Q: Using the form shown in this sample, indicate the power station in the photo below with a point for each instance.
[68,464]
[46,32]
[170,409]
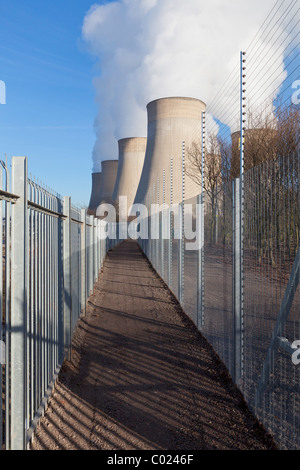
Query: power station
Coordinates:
[148,166]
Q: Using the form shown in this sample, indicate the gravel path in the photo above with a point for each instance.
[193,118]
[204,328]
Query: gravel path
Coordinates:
[141,376]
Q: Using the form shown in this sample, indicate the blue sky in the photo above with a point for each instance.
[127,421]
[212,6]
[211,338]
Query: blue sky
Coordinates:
[50,105]
[50,108]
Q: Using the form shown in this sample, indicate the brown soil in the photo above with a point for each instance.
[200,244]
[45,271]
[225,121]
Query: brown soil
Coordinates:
[141,376]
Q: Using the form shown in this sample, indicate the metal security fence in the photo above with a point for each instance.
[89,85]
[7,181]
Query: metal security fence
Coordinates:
[51,256]
[272,297]
[239,283]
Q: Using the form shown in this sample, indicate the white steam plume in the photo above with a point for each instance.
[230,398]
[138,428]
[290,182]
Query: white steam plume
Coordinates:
[149,49]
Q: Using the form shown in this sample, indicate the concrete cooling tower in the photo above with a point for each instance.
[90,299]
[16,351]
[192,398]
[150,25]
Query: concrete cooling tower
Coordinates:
[108,181]
[96,193]
[170,122]
[131,161]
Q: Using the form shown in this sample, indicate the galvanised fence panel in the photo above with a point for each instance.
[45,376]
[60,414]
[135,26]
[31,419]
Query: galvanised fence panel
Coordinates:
[218,325]
[44,349]
[51,256]
[5,235]
[240,286]
[89,255]
[190,261]
[271,242]
[76,231]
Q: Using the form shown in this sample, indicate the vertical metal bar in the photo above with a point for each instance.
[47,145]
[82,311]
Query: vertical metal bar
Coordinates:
[242,114]
[51,303]
[91,277]
[31,299]
[164,214]
[171,227]
[83,262]
[200,215]
[157,242]
[35,300]
[94,253]
[48,325]
[87,248]
[99,244]
[241,208]
[19,276]
[57,312]
[7,315]
[150,227]
[53,292]
[43,309]
[67,277]
[1,312]
[237,283]
[181,240]
[200,270]
[202,150]
[40,312]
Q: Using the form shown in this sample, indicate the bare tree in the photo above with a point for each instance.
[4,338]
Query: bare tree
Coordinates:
[212,173]
[260,140]
[288,130]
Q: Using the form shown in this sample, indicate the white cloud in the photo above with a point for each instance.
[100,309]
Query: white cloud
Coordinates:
[148,49]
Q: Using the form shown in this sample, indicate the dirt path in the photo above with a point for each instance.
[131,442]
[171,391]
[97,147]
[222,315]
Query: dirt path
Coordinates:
[141,376]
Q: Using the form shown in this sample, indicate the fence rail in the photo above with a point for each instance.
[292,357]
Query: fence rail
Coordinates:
[52,253]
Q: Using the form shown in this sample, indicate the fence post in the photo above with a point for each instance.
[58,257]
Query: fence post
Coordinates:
[90,253]
[2,353]
[18,327]
[94,251]
[157,267]
[163,223]
[83,261]
[171,227]
[67,225]
[181,239]
[237,284]
[180,257]
[98,246]
[150,250]
[102,242]
[200,263]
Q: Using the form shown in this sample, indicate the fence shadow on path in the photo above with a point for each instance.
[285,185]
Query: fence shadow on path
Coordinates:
[142,377]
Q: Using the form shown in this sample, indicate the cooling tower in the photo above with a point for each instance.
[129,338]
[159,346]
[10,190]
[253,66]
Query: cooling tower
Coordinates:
[170,122]
[108,181]
[131,161]
[96,193]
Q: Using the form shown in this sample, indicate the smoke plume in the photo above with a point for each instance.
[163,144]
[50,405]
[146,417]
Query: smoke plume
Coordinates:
[149,49]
